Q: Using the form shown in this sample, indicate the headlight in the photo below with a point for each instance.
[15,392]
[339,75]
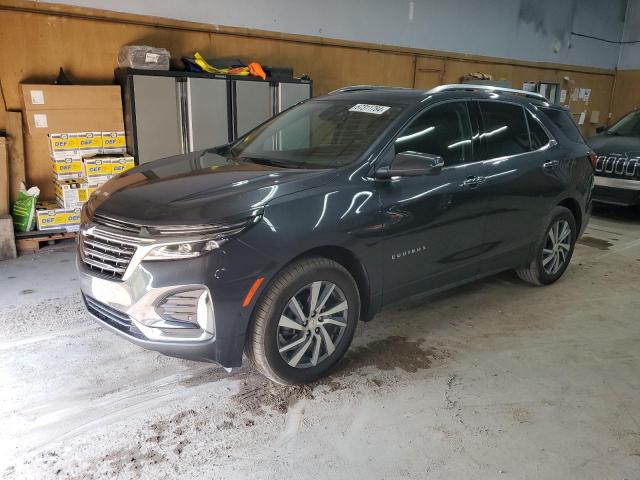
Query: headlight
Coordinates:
[195,240]
[174,251]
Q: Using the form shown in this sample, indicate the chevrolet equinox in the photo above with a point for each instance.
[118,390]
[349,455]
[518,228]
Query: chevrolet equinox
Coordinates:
[275,245]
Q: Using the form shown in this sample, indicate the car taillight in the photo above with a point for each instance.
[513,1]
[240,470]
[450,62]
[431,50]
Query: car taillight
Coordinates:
[594,158]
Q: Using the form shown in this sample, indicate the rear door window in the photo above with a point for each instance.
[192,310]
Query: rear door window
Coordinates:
[442,130]
[563,120]
[504,129]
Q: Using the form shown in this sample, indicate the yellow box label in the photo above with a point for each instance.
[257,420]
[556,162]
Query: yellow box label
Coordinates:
[89,140]
[51,218]
[122,164]
[113,140]
[97,167]
[73,217]
[67,165]
[59,142]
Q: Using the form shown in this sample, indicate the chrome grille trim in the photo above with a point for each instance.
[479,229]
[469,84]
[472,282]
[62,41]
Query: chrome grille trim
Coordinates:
[106,253]
[104,267]
[209,230]
[114,249]
[619,166]
[116,224]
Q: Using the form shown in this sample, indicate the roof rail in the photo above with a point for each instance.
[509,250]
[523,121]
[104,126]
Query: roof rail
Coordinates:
[356,88]
[487,88]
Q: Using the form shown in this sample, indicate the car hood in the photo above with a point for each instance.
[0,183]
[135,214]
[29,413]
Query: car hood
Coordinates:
[614,145]
[197,188]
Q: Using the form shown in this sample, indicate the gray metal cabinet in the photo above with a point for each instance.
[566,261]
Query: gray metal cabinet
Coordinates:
[169,113]
[158,117]
[288,94]
[206,111]
[253,105]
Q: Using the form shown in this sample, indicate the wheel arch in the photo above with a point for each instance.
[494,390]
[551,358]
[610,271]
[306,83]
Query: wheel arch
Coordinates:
[574,207]
[349,260]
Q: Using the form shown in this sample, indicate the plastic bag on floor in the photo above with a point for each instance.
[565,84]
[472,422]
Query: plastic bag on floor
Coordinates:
[24,209]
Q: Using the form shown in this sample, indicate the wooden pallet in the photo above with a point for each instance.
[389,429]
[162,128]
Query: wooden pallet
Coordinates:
[32,242]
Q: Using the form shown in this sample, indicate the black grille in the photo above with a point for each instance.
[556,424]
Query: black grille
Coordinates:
[106,254]
[617,166]
[113,317]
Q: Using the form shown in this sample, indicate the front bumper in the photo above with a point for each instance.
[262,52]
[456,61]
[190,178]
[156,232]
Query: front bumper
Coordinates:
[616,191]
[135,306]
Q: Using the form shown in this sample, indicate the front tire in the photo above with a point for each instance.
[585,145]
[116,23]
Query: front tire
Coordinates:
[554,250]
[304,321]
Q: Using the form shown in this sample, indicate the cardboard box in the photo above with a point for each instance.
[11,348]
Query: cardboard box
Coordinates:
[72,193]
[89,143]
[122,163]
[102,168]
[114,142]
[74,120]
[50,217]
[98,170]
[62,144]
[64,108]
[64,97]
[67,167]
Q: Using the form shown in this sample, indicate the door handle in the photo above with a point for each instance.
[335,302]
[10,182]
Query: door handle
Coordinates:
[551,164]
[473,181]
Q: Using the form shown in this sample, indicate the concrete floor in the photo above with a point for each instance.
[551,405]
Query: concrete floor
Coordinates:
[494,380]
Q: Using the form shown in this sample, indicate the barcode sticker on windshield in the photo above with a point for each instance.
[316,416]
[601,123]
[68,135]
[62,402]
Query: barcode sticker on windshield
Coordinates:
[365,108]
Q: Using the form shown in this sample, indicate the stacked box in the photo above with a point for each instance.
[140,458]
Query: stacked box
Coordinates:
[72,193]
[63,145]
[102,168]
[114,142]
[89,143]
[86,144]
[121,163]
[49,111]
[98,170]
[82,162]
[49,216]
[67,167]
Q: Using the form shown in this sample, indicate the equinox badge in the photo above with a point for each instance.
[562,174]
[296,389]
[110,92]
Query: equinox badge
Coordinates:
[406,253]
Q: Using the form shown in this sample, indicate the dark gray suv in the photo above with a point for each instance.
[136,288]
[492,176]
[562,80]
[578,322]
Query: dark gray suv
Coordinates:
[277,244]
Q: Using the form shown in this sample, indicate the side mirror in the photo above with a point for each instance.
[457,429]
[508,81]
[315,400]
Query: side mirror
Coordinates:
[601,129]
[411,164]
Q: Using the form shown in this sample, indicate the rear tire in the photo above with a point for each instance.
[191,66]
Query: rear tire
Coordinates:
[287,342]
[553,251]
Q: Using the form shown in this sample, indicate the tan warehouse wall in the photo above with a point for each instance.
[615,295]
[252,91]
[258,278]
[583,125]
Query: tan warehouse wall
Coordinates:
[38,38]
[627,92]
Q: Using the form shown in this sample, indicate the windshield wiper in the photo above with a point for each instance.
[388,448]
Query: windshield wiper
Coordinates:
[268,161]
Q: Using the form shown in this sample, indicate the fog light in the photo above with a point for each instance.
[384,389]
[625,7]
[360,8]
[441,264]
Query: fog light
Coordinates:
[187,309]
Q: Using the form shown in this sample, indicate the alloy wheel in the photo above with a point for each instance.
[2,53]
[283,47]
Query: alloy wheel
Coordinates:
[312,324]
[557,247]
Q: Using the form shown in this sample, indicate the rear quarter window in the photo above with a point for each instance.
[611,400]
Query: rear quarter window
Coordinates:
[563,120]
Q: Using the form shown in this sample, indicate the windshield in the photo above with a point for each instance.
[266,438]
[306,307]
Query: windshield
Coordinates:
[316,134]
[627,126]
